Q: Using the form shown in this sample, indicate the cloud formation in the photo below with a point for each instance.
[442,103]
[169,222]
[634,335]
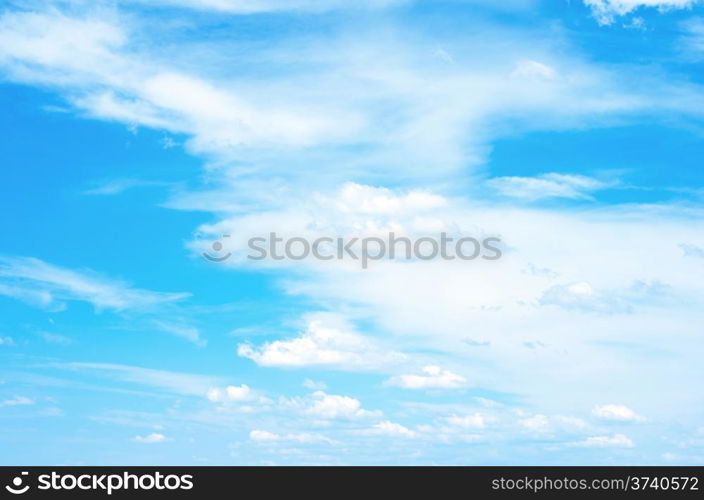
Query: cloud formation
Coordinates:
[433,377]
[616,412]
[321,346]
[606,11]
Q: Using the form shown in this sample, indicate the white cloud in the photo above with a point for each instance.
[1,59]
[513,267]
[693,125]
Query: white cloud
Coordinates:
[17,401]
[475,421]
[55,338]
[692,250]
[329,406]
[314,385]
[51,283]
[111,82]
[32,296]
[301,438]
[536,423]
[6,341]
[172,382]
[540,424]
[616,412]
[118,186]
[257,435]
[625,298]
[434,378]
[693,40]
[152,438]
[615,441]
[321,346]
[183,331]
[360,199]
[388,428]
[233,393]
[533,69]
[548,186]
[606,11]
[438,127]
[262,6]
[581,296]
[341,99]
[49,287]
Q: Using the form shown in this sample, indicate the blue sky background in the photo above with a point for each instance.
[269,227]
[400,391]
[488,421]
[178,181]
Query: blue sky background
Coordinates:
[137,133]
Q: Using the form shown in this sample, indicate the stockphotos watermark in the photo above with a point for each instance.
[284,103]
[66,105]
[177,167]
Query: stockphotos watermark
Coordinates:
[362,249]
[107,483]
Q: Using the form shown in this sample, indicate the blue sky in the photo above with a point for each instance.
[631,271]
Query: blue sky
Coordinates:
[137,133]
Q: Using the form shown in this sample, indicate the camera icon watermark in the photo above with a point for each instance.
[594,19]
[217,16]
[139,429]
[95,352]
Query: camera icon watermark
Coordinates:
[16,487]
[217,247]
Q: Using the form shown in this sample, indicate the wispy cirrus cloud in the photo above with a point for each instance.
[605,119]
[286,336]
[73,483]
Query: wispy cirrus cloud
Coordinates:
[169,381]
[17,401]
[338,102]
[547,186]
[264,6]
[38,282]
[119,186]
[51,287]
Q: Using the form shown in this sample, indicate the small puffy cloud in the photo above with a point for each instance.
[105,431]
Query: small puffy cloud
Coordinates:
[546,424]
[257,435]
[17,401]
[582,296]
[314,385]
[605,11]
[536,423]
[334,406]
[152,438]
[547,186]
[388,428]
[321,345]
[615,441]
[233,393]
[616,412]
[358,198]
[301,438]
[475,421]
[433,378]
[6,341]
[328,406]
